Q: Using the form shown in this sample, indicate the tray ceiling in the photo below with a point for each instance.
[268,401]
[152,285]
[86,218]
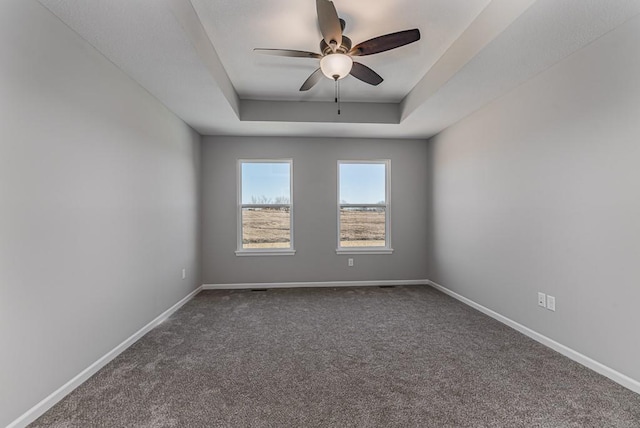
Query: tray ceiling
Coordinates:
[195,56]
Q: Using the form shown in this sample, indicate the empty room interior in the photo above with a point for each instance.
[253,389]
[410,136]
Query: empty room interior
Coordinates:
[315,213]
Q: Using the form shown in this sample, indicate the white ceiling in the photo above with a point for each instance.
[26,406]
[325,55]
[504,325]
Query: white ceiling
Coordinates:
[239,26]
[196,57]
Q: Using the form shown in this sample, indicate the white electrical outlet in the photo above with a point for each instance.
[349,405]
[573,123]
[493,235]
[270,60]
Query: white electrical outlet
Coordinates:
[551,303]
[350,262]
[542,300]
[184,273]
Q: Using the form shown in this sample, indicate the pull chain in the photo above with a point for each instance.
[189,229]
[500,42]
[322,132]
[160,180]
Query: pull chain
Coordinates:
[337,93]
[338,83]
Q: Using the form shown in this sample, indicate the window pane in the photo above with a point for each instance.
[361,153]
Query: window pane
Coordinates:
[362,227]
[266,183]
[362,183]
[266,228]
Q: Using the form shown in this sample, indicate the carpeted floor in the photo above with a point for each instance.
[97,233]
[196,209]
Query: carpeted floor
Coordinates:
[346,357]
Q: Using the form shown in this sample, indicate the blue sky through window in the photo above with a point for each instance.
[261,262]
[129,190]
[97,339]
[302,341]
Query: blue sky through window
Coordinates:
[262,180]
[362,183]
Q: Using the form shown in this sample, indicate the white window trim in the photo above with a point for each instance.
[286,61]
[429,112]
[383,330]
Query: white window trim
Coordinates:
[387,249]
[241,252]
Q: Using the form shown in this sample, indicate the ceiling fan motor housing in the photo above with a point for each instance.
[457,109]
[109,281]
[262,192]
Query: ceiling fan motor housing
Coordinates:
[343,48]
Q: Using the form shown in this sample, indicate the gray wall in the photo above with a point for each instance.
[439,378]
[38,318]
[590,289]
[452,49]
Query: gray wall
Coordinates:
[540,191]
[315,219]
[98,206]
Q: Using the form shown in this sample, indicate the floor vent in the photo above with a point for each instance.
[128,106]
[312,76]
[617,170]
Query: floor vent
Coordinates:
[386,286]
[258,289]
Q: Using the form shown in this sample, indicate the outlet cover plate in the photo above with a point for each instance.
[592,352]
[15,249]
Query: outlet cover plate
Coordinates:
[542,300]
[551,303]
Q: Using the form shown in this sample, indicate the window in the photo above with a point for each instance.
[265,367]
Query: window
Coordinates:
[363,207]
[265,209]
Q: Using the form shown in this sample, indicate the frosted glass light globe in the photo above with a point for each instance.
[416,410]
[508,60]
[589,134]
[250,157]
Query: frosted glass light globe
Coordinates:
[336,64]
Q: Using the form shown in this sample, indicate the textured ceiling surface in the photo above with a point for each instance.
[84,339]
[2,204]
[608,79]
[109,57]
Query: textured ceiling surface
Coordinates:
[196,57]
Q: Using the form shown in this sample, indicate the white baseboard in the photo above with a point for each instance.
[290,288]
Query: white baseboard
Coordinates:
[576,356]
[36,411]
[246,286]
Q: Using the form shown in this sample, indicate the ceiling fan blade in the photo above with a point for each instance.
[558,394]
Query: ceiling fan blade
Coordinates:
[330,26]
[288,52]
[364,73]
[312,80]
[385,43]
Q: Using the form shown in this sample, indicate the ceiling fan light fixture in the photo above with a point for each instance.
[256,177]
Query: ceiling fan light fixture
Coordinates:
[336,65]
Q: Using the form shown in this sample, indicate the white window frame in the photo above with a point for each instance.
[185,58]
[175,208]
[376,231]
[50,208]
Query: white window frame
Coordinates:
[263,251]
[387,249]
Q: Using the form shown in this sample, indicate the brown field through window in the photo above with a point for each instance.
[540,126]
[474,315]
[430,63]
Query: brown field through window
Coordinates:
[266,227]
[362,227]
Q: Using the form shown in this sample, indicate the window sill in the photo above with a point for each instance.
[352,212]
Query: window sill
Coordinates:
[364,251]
[245,253]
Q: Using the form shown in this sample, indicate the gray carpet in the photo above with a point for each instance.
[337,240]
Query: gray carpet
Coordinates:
[347,357]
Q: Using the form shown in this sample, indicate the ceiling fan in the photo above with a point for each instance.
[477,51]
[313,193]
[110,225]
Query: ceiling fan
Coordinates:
[336,60]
